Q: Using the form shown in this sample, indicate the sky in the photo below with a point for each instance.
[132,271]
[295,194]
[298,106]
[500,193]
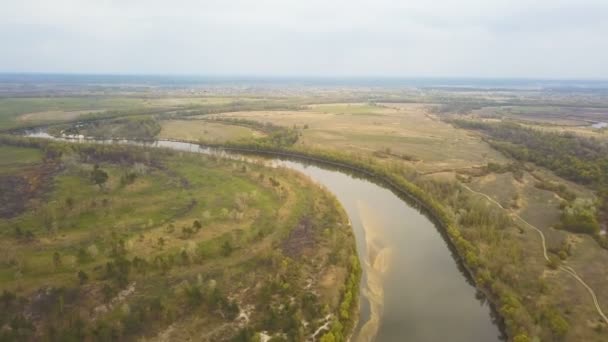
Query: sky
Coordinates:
[362,38]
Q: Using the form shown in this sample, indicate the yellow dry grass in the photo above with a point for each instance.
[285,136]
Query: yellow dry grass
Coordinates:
[56,115]
[405,129]
[199,130]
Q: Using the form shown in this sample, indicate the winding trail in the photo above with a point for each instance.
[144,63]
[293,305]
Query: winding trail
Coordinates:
[566,269]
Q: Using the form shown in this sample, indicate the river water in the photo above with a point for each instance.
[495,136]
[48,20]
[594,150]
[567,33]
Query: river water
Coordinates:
[412,288]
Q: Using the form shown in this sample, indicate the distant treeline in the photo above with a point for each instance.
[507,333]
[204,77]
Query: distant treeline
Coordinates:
[88,152]
[134,127]
[277,136]
[582,160]
[176,111]
[237,106]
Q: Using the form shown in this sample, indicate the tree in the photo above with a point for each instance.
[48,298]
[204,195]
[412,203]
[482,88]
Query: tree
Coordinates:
[18,232]
[29,236]
[108,292]
[48,219]
[82,277]
[194,295]
[246,335]
[580,217]
[7,298]
[123,269]
[329,337]
[69,202]
[553,262]
[83,256]
[558,325]
[21,328]
[170,228]
[197,225]
[187,232]
[99,176]
[521,338]
[57,260]
[227,248]
[185,257]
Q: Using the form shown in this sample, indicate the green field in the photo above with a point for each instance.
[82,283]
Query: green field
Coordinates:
[15,112]
[18,157]
[23,112]
[205,131]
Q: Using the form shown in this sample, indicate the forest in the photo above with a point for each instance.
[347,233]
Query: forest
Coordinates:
[579,159]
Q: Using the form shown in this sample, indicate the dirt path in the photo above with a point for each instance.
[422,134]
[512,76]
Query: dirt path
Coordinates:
[566,269]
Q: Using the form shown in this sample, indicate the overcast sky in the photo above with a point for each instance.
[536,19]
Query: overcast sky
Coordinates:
[402,38]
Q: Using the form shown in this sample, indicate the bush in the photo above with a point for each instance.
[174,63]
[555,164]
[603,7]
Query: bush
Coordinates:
[553,262]
[558,325]
[579,217]
[82,277]
[521,338]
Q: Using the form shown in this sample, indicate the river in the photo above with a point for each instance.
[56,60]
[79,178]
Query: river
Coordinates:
[412,288]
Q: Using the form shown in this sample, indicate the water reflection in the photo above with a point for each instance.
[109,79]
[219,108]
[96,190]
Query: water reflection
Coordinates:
[425,294]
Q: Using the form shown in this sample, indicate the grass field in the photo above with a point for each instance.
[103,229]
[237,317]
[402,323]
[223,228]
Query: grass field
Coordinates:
[167,242]
[552,115]
[199,130]
[585,131]
[17,112]
[14,157]
[405,130]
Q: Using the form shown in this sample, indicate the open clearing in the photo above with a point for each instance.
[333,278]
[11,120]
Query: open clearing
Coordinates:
[199,130]
[57,115]
[565,116]
[15,156]
[585,131]
[16,112]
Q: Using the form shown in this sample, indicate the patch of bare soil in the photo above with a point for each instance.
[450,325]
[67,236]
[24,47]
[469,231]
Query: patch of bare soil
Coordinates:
[300,240]
[17,190]
[12,200]
[47,300]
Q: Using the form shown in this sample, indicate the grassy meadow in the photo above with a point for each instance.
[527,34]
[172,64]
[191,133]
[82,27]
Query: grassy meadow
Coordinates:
[405,131]
[205,131]
[33,111]
[129,243]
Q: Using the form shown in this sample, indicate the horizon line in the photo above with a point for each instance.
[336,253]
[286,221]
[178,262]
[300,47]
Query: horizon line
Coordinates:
[300,76]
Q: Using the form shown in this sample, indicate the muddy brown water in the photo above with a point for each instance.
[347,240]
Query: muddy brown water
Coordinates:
[412,288]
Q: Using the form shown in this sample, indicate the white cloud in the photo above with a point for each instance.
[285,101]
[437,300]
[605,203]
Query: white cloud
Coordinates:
[514,38]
